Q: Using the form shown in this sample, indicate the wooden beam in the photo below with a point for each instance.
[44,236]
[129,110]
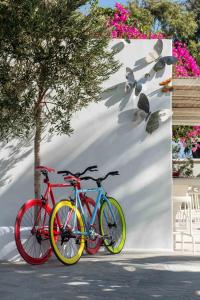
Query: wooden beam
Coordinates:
[186,112]
[186,101]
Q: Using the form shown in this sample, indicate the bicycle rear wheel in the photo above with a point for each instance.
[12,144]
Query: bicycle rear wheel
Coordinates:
[92,246]
[115,232]
[32,232]
[67,245]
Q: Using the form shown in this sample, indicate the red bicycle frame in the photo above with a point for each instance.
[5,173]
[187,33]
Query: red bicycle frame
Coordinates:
[74,182]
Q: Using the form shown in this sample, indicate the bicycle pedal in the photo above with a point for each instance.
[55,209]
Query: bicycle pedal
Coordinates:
[107,237]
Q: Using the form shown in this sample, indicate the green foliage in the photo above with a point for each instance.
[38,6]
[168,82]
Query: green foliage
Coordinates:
[167,16]
[194,6]
[194,44]
[53,60]
[194,47]
[141,16]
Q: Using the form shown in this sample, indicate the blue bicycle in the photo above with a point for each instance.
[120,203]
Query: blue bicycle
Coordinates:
[70,229]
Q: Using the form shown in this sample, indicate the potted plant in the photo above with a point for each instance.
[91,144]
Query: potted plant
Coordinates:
[186,168]
[183,168]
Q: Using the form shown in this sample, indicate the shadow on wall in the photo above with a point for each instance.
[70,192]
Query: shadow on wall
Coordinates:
[142,206]
[12,153]
[134,192]
[116,94]
[114,143]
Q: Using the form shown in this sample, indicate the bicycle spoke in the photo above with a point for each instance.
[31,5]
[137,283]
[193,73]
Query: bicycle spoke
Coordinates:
[64,243]
[113,226]
[31,232]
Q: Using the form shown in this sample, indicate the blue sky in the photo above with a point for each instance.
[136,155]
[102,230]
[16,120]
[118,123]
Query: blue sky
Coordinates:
[105,3]
[110,3]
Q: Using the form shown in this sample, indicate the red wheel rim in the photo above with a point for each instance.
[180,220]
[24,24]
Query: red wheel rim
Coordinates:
[92,247]
[34,250]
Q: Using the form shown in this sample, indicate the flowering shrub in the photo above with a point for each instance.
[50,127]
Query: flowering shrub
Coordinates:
[187,65]
[192,139]
[123,27]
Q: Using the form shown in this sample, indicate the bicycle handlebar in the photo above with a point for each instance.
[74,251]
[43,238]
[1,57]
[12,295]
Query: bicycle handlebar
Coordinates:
[78,174]
[100,179]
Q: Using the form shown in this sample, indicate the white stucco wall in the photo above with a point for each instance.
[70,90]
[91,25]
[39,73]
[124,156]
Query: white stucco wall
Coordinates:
[104,135]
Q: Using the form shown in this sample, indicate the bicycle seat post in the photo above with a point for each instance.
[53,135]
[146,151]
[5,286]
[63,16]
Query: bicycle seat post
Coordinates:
[45,174]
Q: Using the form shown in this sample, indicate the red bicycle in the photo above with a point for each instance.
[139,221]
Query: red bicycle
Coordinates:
[32,221]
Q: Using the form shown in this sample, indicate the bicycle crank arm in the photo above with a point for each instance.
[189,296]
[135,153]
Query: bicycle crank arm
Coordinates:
[107,237]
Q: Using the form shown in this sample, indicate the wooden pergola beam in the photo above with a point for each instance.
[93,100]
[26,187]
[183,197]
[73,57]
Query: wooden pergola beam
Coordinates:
[186,101]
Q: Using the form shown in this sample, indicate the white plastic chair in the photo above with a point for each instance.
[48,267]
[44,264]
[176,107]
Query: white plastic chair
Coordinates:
[181,218]
[187,217]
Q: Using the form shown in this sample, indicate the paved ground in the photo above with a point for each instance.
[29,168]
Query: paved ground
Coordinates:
[125,276]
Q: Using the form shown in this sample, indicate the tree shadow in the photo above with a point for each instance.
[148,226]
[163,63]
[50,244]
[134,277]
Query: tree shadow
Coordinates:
[13,153]
[120,147]
[143,207]
[125,276]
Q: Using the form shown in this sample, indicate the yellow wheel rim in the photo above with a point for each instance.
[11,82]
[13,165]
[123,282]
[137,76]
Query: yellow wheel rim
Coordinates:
[60,256]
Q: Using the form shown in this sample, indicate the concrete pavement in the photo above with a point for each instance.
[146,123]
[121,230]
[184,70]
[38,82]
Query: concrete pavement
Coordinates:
[133,276]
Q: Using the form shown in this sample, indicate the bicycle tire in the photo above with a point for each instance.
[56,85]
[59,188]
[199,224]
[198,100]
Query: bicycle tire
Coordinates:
[60,247]
[92,246]
[118,232]
[33,249]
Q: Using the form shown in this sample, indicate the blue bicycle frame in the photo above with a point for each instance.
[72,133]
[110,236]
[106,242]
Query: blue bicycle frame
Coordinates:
[101,196]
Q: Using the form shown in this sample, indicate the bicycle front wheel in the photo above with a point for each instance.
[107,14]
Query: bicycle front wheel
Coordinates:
[113,230]
[65,222]
[32,232]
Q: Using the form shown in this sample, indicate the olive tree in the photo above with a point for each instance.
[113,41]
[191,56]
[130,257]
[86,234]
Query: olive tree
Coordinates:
[53,60]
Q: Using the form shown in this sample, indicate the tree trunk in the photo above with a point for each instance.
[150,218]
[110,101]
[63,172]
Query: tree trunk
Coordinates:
[37,141]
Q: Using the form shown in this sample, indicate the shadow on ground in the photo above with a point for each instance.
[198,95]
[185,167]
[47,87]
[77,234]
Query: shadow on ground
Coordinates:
[125,276]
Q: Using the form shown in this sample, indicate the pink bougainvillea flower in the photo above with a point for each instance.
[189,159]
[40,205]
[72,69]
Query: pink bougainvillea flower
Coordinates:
[187,65]
[194,149]
[114,34]
[183,140]
[122,28]
[197,128]
[191,139]
[156,36]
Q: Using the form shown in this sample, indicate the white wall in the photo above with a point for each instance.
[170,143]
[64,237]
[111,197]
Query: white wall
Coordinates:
[105,135]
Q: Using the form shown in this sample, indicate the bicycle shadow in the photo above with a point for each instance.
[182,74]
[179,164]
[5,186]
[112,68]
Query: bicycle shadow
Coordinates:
[125,276]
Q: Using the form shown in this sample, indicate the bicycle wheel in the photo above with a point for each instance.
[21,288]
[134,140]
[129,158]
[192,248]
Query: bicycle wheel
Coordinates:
[67,246]
[115,232]
[91,246]
[32,232]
